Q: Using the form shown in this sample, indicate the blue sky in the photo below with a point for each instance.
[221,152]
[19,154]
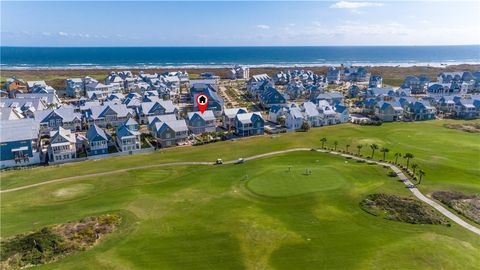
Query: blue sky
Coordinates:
[227,23]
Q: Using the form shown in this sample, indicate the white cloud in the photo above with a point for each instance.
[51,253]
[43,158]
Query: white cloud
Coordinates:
[263,26]
[46,33]
[63,34]
[355,5]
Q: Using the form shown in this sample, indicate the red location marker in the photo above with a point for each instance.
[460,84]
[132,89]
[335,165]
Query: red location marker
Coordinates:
[202,102]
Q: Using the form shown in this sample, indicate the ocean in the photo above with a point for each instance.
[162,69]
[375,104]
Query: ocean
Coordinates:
[191,57]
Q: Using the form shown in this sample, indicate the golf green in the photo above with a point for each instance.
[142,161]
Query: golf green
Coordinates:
[227,217]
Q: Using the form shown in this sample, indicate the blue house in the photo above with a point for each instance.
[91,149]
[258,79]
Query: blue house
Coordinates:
[271,96]
[75,87]
[215,102]
[248,124]
[333,75]
[418,85]
[375,81]
[98,141]
[420,110]
[19,141]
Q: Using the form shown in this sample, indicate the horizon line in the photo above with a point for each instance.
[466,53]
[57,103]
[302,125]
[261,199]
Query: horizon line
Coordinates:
[236,46]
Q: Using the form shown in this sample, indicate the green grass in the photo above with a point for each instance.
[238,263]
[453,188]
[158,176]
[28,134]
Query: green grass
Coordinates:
[450,158]
[214,217]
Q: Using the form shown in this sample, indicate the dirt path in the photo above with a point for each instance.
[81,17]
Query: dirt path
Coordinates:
[400,174]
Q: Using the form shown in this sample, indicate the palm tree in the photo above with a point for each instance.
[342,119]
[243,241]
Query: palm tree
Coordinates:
[421,174]
[408,156]
[346,147]
[414,167]
[323,140]
[374,147]
[335,143]
[396,157]
[359,147]
[384,150]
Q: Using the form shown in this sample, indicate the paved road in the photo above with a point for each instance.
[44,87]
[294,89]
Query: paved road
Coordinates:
[400,174]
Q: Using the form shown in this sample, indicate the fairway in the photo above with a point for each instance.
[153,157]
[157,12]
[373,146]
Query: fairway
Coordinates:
[256,215]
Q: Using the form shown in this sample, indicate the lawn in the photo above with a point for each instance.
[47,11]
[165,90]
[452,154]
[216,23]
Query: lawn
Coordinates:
[263,214]
[450,158]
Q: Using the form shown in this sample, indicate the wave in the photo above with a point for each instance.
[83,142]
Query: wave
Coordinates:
[229,65]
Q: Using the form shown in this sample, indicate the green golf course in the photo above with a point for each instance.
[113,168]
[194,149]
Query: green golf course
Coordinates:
[297,210]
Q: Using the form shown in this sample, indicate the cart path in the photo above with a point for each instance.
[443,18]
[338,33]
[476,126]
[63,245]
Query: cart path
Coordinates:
[400,174]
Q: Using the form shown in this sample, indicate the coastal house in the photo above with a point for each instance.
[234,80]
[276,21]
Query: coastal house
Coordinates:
[331,97]
[215,102]
[13,85]
[256,81]
[115,81]
[158,107]
[342,113]
[420,110]
[294,119]
[19,143]
[51,100]
[10,114]
[311,114]
[106,116]
[356,74]
[270,97]
[199,123]
[27,106]
[295,90]
[334,75]
[466,109]
[50,120]
[132,124]
[327,113]
[281,78]
[35,84]
[239,72]
[353,91]
[443,89]
[375,81]
[229,115]
[128,137]
[389,111]
[418,85]
[249,124]
[169,132]
[160,118]
[75,87]
[98,141]
[62,147]
[276,113]
[446,104]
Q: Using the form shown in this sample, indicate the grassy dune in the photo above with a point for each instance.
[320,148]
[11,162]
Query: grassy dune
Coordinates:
[257,215]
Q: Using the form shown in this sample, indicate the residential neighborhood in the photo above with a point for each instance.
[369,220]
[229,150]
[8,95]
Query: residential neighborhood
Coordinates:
[129,113]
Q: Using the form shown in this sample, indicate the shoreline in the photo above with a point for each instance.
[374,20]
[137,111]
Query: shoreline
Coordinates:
[140,66]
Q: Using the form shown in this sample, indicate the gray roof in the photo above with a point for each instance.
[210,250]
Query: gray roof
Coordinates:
[175,125]
[18,130]
[161,118]
[207,115]
[67,114]
[120,109]
[310,109]
[246,118]
[231,113]
[93,131]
